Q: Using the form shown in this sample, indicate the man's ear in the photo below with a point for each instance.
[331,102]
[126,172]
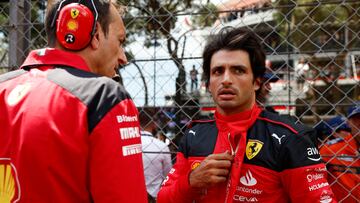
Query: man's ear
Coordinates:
[257,83]
[95,41]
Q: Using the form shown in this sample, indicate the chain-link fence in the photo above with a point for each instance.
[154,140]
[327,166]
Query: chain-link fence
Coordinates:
[312,46]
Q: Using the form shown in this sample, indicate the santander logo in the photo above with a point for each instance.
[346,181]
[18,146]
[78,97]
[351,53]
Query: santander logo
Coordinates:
[248,179]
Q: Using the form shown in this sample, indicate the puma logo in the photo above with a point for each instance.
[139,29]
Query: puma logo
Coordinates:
[192,132]
[277,137]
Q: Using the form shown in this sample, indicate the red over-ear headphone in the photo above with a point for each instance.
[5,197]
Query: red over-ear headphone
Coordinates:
[75,25]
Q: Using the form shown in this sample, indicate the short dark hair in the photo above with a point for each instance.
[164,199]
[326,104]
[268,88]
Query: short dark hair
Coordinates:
[102,7]
[235,39]
[146,118]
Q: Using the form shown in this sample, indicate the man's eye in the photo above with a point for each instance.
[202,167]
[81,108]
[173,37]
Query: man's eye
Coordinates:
[216,71]
[239,70]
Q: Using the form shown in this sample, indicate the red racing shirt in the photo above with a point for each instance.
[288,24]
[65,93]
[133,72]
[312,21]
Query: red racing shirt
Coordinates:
[67,135]
[278,162]
[343,163]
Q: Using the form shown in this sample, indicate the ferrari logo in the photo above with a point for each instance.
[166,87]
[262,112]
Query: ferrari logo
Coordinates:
[253,147]
[74,13]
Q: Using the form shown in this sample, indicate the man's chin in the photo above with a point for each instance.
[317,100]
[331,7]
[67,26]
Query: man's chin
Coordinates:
[229,105]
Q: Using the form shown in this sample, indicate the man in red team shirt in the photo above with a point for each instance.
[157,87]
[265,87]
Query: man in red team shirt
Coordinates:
[246,154]
[341,156]
[67,133]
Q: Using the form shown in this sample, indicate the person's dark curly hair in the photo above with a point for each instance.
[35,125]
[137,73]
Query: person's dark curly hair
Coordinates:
[232,39]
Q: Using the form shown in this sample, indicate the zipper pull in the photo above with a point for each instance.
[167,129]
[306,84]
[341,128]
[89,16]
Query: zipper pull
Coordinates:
[231,147]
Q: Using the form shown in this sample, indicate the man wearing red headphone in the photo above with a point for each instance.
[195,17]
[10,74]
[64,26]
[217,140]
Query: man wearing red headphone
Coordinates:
[67,133]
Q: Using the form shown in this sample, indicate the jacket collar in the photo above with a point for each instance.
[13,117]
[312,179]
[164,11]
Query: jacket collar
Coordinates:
[238,122]
[54,57]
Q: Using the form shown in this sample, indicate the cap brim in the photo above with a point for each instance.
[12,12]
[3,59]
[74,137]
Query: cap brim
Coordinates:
[271,77]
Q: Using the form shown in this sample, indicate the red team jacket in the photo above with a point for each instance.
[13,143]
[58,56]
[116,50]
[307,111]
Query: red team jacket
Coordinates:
[342,161]
[67,135]
[279,162]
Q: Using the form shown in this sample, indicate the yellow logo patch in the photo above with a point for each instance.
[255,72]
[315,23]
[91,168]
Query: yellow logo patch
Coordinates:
[74,13]
[72,25]
[253,147]
[8,184]
[195,164]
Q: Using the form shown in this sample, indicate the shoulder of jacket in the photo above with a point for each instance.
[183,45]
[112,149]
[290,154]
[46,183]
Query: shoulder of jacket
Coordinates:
[334,141]
[282,122]
[74,80]
[194,123]
[199,139]
[100,94]
[12,74]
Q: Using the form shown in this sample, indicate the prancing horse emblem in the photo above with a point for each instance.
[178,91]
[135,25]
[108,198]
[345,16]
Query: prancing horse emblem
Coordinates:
[253,147]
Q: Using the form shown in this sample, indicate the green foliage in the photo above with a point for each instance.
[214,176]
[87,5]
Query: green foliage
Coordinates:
[155,19]
[144,17]
[310,24]
[37,32]
[207,15]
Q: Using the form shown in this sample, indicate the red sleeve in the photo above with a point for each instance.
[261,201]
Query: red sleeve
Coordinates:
[176,188]
[116,170]
[308,184]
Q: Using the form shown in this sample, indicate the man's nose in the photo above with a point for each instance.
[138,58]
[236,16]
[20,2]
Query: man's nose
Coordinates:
[226,80]
[122,60]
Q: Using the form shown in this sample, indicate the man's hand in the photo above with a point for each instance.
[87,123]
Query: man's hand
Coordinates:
[213,169]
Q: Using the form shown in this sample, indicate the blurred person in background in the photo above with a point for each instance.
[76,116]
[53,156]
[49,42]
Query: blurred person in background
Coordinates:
[263,94]
[194,79]
[156,157]
[301,71]
[342,159]
[339,127]
[65,124]
[323,132]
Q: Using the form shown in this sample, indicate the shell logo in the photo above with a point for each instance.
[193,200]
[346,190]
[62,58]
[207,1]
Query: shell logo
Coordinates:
[9,187]
[72,25]
[195,164]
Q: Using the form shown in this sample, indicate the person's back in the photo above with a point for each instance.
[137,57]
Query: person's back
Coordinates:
[47,126]
[66,131]
[156,161]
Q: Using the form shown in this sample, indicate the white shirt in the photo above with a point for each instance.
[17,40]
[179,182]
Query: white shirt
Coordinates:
[301,69]
[156,161]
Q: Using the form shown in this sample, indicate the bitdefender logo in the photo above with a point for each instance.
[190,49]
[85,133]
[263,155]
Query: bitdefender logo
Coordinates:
[123,118]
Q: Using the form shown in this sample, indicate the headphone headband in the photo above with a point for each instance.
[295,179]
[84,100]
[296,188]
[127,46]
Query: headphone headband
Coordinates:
[63,1]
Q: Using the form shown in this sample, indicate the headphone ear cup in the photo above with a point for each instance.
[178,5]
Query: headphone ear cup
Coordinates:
[75,26]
